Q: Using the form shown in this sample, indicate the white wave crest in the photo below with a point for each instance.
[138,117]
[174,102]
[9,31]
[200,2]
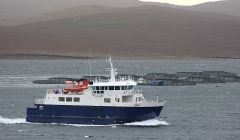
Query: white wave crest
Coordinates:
[12,121]
[85,125]
[152,122]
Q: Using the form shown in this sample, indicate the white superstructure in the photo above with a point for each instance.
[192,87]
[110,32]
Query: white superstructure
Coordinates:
[111,92]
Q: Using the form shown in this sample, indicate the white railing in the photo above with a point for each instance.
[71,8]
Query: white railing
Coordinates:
[137,92]
[39,101]
[159,102]
[96,80]
[122,78]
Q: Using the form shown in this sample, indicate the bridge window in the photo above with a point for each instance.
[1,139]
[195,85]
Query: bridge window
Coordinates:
[129,87]
[117,87]
[98,89]
[107,100]
[123,87]
[61,99]
[69,99]
[76,99]
[111,87]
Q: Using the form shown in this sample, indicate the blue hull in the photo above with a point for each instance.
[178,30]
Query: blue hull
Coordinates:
[97,115]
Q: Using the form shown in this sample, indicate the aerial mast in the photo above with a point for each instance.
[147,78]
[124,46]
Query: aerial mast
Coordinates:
[90,67]
[112,70]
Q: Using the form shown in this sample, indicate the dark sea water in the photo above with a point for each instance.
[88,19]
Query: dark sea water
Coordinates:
[202,112]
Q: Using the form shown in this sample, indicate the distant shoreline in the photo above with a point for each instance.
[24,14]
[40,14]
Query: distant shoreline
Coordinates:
[36,56]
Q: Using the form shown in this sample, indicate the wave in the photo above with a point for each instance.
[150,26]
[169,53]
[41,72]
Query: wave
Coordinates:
[12,121]
[152,122]
[86,125]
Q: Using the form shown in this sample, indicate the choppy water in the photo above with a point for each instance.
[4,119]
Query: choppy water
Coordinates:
[210,111]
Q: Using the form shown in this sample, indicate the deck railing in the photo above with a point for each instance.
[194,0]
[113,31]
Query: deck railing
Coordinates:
[137,92]
[123,78]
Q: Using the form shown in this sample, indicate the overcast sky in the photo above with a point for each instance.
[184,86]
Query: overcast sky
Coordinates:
[181,2]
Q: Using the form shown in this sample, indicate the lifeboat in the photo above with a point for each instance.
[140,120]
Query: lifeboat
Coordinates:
[76,87]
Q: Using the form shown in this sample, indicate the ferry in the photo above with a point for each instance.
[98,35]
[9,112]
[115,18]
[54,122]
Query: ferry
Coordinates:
[95,102]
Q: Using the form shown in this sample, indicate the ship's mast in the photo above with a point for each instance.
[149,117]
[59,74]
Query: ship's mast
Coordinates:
[90,67]
[112,70]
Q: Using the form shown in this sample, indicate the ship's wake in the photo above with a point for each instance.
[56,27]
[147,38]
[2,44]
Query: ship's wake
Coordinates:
[152,122]
[12,121]
[147,123]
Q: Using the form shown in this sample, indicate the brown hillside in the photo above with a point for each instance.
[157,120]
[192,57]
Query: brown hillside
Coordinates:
[149,31]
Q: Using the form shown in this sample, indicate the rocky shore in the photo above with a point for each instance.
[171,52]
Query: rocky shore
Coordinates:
[162,79]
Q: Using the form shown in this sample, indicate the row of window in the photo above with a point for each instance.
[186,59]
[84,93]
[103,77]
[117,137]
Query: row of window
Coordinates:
[69,99]
[77,99]
[108,100]
[112,87]
[98,92]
